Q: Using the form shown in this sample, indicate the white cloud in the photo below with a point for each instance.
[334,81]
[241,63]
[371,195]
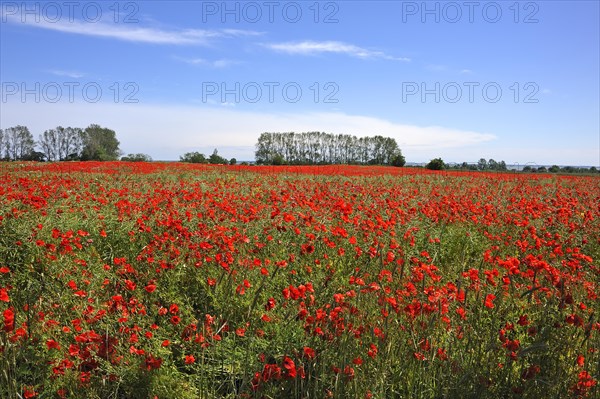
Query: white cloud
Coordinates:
[68,74]
[241,32]
[131,33]
[466,71]
[167,131]
[313,48]
[222,63]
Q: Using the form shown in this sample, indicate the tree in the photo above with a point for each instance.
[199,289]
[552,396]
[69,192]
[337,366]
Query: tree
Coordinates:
[62,144]
[263,149]
[1,144]
[49,144]
[232,161]
[554,169]
[35,156]
[482,164]
[468,166]
[436,164]
[492,164]
[216,159]
[100,144]
[398,160]
[137,158]
[193,157]
[18,143]
[310,148]
[71,143]
[278,160]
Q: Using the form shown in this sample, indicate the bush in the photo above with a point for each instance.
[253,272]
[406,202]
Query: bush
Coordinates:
[398,160]
[216,159]
[193,157]
[137,158]
[436,164]
[278,160]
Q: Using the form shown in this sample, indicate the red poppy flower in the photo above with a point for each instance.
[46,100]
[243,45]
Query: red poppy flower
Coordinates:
[52,344]
[9,320]
[150,288]
[29,392]
[189,359]
[489,300]
[290,367]
[309,353]
[4,295]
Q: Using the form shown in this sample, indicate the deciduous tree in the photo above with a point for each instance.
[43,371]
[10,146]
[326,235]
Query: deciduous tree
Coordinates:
[100,144]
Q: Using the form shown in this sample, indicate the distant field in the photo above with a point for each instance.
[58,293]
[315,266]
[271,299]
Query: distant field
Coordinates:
[170,280]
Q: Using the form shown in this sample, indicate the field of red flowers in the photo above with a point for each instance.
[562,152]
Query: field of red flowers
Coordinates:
[134,280]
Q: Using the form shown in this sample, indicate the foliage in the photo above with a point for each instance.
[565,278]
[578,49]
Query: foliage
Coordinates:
[436,164]
[137,158]
[322,148]
[278,160]
[99,144]
[35,156]
[398,160]
[216,159]
[193,157]
[574,169]
[17,143]
[482,164]
[59,144]
[62,144]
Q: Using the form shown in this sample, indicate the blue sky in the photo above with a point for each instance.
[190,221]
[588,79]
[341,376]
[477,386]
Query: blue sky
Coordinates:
[513,81]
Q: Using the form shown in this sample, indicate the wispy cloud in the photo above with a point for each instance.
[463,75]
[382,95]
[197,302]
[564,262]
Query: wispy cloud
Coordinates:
[241,32]
[137,34]
[68,74]
[466,71]
[218,64]
[314,48]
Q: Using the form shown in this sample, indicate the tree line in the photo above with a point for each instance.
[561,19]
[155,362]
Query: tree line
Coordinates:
[492,165]
[482,165]
[312,148]
[214,159]
[309,148]
[59,144]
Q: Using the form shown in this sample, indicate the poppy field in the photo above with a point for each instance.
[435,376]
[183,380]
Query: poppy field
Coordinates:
[155,280]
